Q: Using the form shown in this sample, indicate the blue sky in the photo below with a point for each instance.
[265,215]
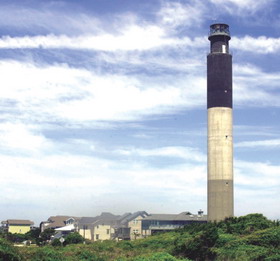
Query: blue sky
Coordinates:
[103,106]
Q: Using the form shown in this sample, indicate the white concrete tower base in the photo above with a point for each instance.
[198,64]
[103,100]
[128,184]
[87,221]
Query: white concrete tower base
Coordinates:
[220,163]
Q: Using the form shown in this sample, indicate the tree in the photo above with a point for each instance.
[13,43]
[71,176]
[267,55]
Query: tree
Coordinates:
[198,247]
[33,235]
[73,238]
[45,236]
[8,252]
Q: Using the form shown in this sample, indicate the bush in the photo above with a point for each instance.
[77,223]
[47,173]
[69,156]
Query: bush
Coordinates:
[275,257]
[241,251]
[126,245]
[56,242]
[8,252]
[47,253]
[33,234]
[158,257]
[268,238]
[89,256]
[45,236]
[199,246]
[245,224]
[224,239]
[73,238]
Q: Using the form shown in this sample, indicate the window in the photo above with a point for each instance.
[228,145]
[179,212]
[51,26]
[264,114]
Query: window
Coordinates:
[108,231]
[70,221]
[135,221]
[97,236]
[135,231]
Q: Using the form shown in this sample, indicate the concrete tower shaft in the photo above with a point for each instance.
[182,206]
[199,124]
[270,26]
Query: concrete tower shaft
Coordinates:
[220,144]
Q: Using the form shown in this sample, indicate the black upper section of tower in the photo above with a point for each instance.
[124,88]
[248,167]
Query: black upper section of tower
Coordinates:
[219,68]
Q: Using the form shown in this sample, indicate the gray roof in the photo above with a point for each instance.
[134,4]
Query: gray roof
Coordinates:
[57,221]
[124,216]
[87,220]
[133,216]
[19,222]
[105,218]
[108,216]
[184,216]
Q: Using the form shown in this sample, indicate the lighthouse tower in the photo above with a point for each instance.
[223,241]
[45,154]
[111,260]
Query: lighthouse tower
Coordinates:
[219,106]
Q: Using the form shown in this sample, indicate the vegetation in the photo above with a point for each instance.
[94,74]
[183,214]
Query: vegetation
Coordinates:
[8,251]
[251,237]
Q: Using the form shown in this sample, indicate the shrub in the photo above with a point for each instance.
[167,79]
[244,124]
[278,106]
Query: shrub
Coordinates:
[47,253]
[268,238]
[158,257]
[199,246]
[126,245]
[275,257]
[45,236]
[73,238]
[86,255]
[239,250]
[8,252]
[245,224]
[56,242]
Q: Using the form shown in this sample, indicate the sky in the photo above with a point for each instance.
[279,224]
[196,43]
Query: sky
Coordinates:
[103,106]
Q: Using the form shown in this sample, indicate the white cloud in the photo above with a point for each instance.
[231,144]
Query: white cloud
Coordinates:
[257,174]
[242,7]
[54,181]
[259,143]
[21,138]
[259,45]
[256,188]
[132,37]
[54,93]
[255,130]
[249,78]
[47,19]
[174,14]
[186,153]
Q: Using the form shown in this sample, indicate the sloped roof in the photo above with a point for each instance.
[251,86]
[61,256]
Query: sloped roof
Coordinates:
[19,222]
[66,228]
[87,220]
[133,216]
[107,218]
[184,216]
[57,221]
[161,217]
[124,216]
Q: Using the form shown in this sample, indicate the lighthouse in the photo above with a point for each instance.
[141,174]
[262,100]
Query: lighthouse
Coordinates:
[220,141]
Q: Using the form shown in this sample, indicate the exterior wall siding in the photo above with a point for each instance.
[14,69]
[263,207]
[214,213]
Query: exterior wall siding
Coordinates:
[20,229]
[136,228]
[86,233]
[102,232]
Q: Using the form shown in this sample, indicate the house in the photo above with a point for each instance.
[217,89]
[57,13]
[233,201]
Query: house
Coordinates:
[130,226]
[64,231]
[86,226]
[165,222]
[54,222]
[17,226]
[135,224]
[98,228]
